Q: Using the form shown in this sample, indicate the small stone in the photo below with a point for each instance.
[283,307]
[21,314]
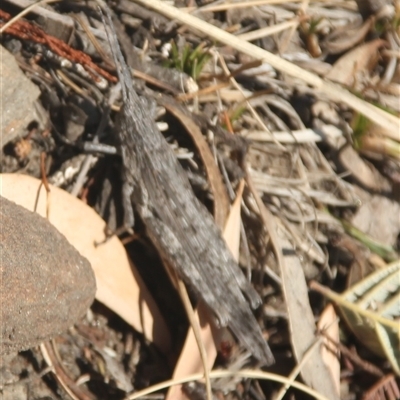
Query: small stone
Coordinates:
[46,285]
[18,97]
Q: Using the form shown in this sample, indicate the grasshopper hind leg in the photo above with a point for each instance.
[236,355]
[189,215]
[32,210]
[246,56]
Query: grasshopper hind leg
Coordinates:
[128,217]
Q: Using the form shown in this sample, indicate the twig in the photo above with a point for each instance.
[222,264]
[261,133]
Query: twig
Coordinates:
[355,358]
[244,373]
[45,182]
[76,392]
[297,369]
[25,30]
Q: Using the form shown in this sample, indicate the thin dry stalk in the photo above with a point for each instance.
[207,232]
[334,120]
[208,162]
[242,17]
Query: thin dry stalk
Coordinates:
[244,373]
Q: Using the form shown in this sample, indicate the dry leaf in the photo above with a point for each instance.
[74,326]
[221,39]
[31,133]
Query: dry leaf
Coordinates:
[362,58]
[364,172]
[119,285]
[346,37]
[329,324]
[232,226]
[373,215]
[302,326]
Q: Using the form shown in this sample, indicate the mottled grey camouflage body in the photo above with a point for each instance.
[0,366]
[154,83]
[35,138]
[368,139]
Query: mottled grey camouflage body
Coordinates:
[179,226]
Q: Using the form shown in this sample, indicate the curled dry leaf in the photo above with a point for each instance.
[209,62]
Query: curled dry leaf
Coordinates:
[119,285]
[344,39]
[362,171]
[361,59]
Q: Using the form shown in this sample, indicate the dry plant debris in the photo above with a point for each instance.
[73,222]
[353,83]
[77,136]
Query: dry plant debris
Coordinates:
[289,107]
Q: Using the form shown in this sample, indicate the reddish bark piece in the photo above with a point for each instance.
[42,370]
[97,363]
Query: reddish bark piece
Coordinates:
[46,285]
[24,30]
